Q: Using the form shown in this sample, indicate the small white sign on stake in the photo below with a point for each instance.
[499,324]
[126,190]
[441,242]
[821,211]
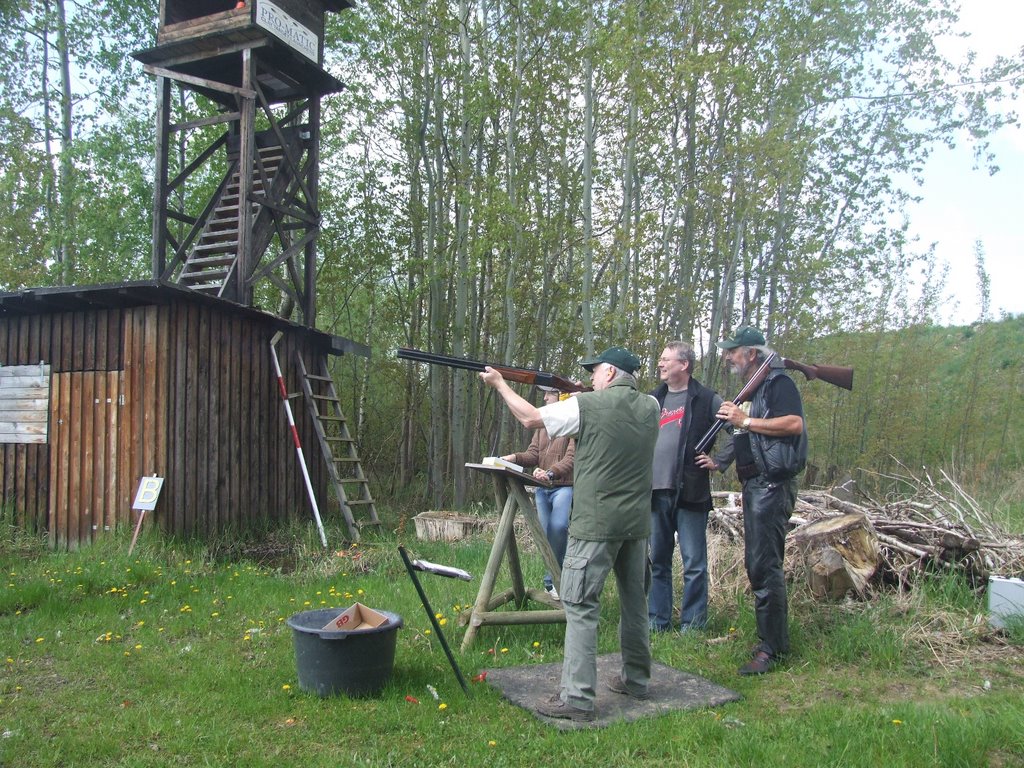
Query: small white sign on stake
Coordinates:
[145,499]
[148,493]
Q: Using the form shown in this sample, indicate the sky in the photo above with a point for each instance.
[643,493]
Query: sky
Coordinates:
[963,205]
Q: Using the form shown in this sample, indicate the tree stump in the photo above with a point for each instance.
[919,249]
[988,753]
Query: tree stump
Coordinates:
[841,554]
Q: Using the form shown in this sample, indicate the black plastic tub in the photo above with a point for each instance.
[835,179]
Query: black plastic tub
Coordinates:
[357,663]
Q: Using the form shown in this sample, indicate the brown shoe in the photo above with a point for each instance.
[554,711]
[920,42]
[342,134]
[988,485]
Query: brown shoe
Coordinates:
[558,709]
[615,684]
[758,665]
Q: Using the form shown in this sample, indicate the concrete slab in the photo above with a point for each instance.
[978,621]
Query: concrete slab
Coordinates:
[671,690]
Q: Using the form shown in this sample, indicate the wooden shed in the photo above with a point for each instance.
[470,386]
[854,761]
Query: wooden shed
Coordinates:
[114,383]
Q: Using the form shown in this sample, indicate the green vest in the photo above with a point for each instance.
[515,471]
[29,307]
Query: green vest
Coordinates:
[614,462]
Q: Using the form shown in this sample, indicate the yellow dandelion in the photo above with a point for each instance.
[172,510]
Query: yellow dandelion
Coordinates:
[897,722]
[286,687]
[442,705]
[536,644]
[492,743]
[442,622]
[138,646]
[504,650]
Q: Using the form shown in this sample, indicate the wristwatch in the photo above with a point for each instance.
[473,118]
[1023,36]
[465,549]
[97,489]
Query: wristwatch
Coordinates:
[551,476]
[746,423]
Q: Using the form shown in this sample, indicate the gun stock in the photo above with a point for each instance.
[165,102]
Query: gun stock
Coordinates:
[836,375]
[509,373]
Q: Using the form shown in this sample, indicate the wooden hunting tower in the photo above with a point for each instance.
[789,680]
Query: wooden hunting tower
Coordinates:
[182,376]
[238,217]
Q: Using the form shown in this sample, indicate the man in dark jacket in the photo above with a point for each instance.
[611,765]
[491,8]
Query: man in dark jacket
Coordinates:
[681,498]
[770,440]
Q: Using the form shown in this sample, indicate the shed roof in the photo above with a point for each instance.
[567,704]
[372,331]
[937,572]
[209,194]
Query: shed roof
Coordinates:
[37,301]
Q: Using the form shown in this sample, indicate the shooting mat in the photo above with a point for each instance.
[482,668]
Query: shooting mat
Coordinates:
[670,690]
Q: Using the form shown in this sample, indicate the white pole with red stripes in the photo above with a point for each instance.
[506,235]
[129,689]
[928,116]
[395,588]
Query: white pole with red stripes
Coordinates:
[295,436]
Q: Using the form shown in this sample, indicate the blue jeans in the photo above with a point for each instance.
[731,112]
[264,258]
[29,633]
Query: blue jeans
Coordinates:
[553,505]
[691,528]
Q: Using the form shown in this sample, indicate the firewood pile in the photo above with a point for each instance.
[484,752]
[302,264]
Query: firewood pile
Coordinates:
[933,526]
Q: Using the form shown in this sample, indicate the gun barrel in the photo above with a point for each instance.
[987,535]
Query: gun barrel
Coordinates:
[419,356]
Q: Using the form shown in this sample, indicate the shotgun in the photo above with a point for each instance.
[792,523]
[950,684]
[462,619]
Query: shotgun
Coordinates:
[833,374]
[520,375]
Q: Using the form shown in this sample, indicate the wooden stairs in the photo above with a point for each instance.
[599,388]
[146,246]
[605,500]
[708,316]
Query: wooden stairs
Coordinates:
[214,256]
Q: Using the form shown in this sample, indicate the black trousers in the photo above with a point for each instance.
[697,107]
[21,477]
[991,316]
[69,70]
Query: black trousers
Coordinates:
[766,510]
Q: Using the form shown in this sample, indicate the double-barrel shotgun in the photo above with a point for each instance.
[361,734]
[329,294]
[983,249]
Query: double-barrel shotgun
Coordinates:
[833,374]
[520,375]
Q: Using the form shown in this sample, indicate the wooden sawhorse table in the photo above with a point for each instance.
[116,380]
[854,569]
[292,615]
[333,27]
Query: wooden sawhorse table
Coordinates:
[511,497]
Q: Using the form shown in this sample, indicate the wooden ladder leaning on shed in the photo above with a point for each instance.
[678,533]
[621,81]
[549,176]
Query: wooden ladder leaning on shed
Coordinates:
[337,446]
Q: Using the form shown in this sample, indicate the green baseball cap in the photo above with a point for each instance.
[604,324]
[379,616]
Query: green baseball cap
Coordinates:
[745,336]
[620,357]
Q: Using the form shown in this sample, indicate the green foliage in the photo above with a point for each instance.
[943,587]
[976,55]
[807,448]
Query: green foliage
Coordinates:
[926,396]
[744,161]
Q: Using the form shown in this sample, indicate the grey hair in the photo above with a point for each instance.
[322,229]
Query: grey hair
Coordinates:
[763,352]
[684,351]
[621,374]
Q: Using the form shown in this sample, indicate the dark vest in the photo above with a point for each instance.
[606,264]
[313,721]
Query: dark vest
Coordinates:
[614,464]
[777,458]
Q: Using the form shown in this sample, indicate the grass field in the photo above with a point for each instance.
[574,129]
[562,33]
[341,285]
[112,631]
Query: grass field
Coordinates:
[180,655]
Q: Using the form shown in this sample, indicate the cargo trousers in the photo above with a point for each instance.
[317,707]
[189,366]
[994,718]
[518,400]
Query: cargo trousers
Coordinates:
[584,572]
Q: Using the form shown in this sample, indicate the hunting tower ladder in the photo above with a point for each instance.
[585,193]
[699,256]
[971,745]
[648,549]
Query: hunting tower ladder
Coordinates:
[337,446]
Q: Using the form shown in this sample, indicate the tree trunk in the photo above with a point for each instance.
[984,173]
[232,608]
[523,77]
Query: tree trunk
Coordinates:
[842,554]
[589,132]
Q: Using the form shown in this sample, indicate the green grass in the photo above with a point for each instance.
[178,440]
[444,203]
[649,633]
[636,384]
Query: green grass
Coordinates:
[180,655]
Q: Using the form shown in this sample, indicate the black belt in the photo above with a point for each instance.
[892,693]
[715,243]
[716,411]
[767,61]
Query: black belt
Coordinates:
[746,471]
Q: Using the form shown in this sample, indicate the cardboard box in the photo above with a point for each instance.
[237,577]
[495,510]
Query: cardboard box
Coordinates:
[355,618]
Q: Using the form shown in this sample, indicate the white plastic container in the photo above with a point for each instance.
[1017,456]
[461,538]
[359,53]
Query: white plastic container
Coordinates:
[1005,600]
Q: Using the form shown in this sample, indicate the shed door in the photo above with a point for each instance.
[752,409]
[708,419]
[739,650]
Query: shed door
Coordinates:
[85,445]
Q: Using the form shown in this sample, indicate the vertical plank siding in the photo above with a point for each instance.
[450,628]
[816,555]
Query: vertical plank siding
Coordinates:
[183,391]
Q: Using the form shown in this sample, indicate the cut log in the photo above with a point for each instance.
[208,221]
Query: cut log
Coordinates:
[841,553]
